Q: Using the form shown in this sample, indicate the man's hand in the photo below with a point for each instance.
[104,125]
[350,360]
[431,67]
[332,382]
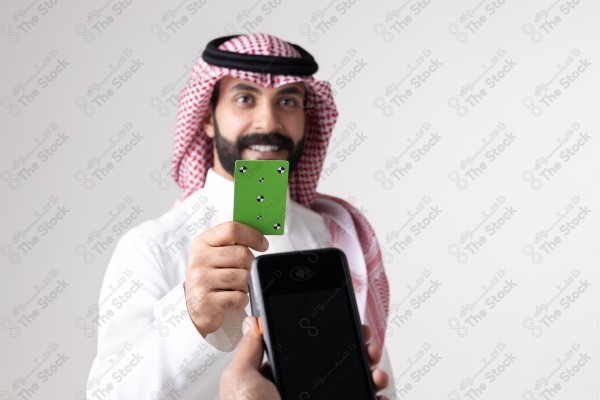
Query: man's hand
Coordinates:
[380,377]
[216,280]
[242,378]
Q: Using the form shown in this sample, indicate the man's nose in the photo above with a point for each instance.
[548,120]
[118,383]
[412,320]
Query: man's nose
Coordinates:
[266,119]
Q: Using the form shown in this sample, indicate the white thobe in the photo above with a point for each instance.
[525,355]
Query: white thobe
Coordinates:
[148,347]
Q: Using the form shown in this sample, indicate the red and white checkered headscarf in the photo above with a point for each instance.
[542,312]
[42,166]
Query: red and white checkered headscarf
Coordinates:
[193,149]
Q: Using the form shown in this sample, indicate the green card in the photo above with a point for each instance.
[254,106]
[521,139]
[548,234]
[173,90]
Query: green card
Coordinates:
[260,194]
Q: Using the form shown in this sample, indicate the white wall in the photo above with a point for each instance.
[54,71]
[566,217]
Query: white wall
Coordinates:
[478,169]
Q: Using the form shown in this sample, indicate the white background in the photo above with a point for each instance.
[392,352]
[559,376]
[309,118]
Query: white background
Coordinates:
[481,181]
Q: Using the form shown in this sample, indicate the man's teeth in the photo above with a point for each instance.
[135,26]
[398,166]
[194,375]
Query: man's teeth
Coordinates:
[264,147]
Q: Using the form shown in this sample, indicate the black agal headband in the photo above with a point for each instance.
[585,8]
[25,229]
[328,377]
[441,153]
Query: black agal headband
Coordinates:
[306,65]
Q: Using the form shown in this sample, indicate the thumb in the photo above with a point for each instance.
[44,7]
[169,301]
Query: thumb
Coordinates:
[250,351]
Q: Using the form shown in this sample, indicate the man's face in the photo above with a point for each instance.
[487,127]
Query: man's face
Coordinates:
[251,122]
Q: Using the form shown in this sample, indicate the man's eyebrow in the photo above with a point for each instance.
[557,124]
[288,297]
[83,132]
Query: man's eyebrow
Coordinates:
[244,87]
[291,90]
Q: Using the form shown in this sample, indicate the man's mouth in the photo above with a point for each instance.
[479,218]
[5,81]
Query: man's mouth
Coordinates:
[264,152]
[264,148]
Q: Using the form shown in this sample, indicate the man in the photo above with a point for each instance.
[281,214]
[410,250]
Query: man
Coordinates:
[186,273]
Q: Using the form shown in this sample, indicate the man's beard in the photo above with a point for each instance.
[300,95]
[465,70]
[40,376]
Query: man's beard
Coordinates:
[229,152]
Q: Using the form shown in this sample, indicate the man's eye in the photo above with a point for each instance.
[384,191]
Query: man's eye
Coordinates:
[288,102]
[243,99]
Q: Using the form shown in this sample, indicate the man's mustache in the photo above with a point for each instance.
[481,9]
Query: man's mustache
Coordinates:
[272,138]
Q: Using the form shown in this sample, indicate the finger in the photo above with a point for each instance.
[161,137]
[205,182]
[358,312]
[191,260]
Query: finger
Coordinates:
[206,280]
[230,256]
[228,279]
[250,351]
[228,300]
[231,232]
[374,353]
[380,379]
[366,333]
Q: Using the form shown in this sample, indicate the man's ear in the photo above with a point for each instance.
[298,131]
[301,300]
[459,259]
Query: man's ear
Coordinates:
[207,123]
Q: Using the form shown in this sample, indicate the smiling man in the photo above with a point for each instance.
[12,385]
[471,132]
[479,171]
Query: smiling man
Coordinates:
[249,97]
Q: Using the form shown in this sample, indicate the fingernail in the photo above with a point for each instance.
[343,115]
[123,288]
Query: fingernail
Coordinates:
[265,242]
[247,324]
